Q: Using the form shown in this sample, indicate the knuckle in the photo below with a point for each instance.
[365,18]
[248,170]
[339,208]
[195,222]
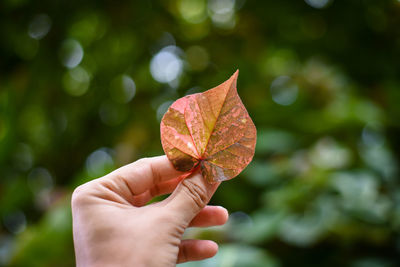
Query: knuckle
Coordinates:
[78,196]
[142,161]
[197,193]
[147,163]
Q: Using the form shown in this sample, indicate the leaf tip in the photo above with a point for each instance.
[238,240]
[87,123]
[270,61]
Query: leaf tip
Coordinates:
[233,78]
[236,74]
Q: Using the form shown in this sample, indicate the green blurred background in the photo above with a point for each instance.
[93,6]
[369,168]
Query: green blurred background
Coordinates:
[83,85]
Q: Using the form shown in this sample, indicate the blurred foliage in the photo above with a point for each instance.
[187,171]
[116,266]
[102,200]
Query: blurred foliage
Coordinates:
[83,85]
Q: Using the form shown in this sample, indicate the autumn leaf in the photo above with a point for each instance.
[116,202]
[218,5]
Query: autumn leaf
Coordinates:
[212,129]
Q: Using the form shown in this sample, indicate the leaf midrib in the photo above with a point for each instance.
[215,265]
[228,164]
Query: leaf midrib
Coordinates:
[212,129]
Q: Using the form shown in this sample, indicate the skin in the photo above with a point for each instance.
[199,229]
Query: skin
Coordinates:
[113,226]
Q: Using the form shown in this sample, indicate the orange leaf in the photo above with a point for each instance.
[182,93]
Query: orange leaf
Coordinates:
[212,129]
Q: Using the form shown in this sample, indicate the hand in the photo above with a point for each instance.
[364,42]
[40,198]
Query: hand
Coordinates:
[112,226]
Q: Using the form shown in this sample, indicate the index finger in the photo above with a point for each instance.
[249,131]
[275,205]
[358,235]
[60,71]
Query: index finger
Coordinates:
[145,173]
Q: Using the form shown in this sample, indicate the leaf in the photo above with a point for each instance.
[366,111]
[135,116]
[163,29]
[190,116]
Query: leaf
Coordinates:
[210,129]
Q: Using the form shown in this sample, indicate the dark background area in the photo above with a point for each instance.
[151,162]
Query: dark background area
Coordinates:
[84,84]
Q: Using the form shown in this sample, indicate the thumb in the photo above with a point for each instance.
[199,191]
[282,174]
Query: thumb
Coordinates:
[190,197]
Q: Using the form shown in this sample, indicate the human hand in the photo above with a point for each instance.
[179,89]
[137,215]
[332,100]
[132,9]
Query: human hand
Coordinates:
[112,226]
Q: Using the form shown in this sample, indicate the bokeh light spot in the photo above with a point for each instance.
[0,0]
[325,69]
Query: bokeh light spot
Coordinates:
[41,183]
[92,26]
[222,13]
[71,53]
[166,66]
[99,162]
[122,89]
[15,222]
[40,179]
[318,3]
[284,90]
[193,11]
[39,26]
[372,135]
[240,219]
[221,6]
[6,249]
[76,81]
[328,154]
